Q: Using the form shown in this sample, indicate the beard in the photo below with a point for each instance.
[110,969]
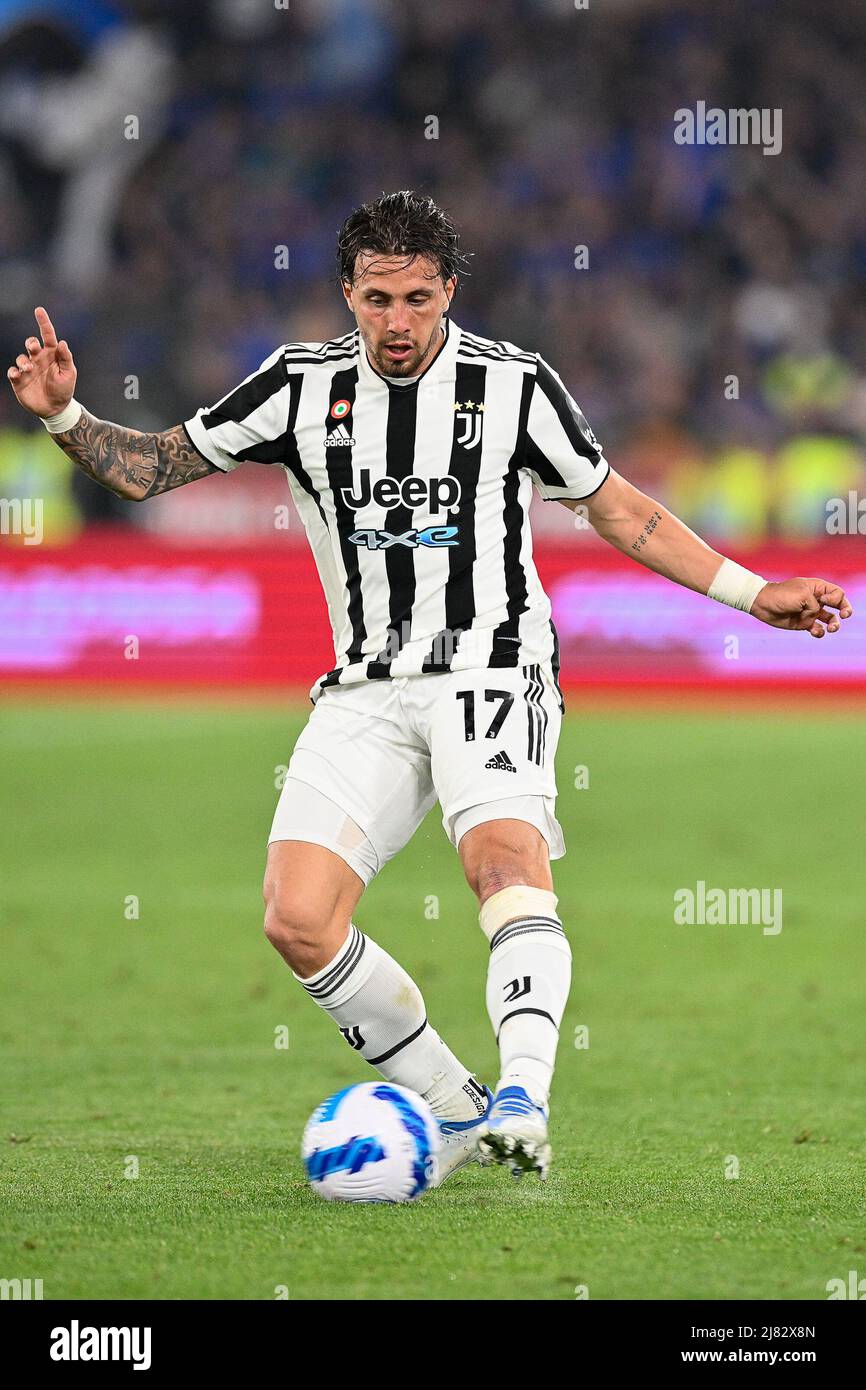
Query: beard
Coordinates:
[411,364]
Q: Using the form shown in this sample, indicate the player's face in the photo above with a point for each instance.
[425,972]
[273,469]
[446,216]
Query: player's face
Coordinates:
[399,308]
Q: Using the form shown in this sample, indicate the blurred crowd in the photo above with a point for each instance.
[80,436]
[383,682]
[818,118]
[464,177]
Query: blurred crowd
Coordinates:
[706,304]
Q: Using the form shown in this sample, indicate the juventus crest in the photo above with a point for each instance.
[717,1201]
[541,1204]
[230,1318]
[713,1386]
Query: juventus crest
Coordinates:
[470,416]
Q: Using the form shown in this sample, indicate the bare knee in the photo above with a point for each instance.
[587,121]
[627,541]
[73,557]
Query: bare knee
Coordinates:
[293,925]
[500,854]
[305,929]
[310,896]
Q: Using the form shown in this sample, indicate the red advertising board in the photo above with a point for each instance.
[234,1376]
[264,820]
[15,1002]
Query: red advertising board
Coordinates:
[123,607]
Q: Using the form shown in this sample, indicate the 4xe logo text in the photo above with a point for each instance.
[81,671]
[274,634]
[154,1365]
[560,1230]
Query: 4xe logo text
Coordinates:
[383,540]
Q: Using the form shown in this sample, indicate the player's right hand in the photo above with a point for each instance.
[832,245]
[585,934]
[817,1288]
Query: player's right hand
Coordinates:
[44,375]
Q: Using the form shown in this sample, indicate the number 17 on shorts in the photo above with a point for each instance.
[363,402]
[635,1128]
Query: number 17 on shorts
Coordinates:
[494,734]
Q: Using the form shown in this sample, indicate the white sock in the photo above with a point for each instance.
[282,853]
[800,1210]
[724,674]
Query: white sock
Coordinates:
[380,1012]
[528,980]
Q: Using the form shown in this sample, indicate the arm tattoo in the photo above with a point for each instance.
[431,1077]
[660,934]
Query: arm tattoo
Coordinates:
[647,531]
[131,463]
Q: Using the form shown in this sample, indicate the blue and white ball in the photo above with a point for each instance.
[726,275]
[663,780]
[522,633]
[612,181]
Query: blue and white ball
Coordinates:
[375,1142]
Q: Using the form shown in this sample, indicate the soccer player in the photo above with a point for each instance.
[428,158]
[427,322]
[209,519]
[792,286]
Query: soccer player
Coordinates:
[411,448]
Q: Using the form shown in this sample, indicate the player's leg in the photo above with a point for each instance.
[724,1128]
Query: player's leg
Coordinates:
[493,736]
[310,895]
[361,766]
[507,865]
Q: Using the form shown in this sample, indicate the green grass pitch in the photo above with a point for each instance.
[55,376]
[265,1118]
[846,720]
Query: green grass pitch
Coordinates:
[154,1038]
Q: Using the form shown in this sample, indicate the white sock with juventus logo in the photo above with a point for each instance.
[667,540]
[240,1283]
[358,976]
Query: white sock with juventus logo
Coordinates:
[380,1012]
[528,980]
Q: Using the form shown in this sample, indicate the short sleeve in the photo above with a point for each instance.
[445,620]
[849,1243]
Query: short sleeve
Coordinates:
[562,453]
[251,423]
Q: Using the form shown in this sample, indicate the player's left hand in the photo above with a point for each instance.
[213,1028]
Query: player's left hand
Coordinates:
[803,605]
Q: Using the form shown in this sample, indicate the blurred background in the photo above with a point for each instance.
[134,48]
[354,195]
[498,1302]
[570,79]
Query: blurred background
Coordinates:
[706,305]
[158,163]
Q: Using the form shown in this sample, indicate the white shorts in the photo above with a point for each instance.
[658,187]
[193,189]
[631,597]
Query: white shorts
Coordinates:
[374,757]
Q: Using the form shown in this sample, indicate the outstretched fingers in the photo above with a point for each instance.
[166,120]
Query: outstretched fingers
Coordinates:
[46,327]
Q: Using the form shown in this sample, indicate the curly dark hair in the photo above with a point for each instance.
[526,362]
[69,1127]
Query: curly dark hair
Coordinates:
[400,224]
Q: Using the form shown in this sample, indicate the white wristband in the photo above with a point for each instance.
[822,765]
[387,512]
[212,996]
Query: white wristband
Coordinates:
[735,586]
[67,419]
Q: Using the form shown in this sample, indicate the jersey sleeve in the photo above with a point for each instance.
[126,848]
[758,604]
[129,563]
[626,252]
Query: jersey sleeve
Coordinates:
[563,455]
[251,423]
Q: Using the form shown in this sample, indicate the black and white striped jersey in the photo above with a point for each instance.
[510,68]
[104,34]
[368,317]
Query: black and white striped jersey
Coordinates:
[415,495]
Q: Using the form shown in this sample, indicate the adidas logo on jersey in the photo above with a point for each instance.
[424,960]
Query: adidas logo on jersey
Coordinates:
[501,762]
[339,438]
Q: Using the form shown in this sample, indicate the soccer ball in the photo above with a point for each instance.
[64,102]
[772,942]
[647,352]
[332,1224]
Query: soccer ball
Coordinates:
[375,1142]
